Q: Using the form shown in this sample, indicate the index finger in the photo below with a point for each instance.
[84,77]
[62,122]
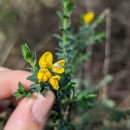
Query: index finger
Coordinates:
[9,82]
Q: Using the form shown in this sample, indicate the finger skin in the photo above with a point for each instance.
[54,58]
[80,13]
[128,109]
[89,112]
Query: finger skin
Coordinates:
[4,69]
[9,82]
[31,113]
[23,118]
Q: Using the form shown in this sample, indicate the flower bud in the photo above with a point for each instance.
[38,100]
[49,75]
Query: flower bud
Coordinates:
[26,52]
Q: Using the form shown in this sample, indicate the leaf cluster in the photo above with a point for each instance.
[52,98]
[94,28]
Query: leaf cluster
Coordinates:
[22,92]
[35,87]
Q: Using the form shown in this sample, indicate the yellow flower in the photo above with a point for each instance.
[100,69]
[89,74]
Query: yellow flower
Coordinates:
[88,17]
[54,81]
[58,67]
[46,60]
[43,75]
[47,66]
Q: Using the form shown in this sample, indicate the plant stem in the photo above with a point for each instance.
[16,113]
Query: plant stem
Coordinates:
[64,34]
[65,20]
[33,66]
[103,94]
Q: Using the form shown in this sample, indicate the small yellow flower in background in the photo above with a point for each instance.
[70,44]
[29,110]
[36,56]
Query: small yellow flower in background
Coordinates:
[46,66]
[88,17]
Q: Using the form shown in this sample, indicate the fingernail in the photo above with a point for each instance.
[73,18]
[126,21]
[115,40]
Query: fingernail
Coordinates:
[42,106]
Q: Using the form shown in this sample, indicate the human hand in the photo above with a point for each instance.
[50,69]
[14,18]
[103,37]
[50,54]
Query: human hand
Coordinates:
[31,113]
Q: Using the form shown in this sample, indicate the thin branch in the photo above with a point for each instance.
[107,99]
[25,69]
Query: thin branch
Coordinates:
[103,94]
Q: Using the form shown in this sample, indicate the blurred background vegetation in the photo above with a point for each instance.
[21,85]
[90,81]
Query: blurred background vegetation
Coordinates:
[35,21]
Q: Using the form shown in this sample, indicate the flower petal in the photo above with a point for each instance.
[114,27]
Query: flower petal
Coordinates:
[54,81]
[58,70]
[58,67]
[88,17]
[43,75]
[46,60]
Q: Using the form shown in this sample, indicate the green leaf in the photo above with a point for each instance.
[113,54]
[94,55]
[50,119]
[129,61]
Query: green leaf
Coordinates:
[58,37]
[32,78]
[47,87]
[98,21]
[43,93]
[91,96]
[29,94]
[61,45]
[21,87]
[18,95]
[33,86]
[99,36]
[36,87]
[59,15]
[32,70]
[90,104]
[39,88]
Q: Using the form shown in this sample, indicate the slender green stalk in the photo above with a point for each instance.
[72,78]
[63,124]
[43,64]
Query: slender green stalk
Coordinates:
[64,36]
[33,66]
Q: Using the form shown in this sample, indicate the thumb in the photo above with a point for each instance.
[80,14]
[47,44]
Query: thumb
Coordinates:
[31,113]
